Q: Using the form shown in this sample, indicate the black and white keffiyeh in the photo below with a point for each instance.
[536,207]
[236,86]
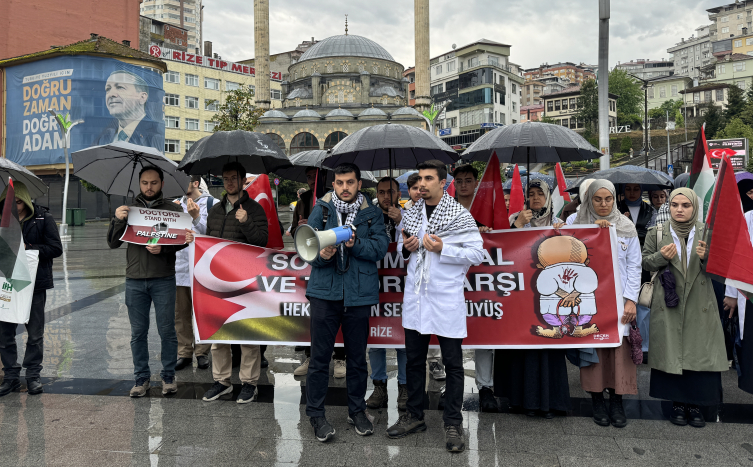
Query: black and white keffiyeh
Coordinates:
[449,217]
[351,209]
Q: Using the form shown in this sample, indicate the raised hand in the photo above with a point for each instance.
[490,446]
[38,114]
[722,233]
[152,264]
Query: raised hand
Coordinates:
[241,215]
[192,208]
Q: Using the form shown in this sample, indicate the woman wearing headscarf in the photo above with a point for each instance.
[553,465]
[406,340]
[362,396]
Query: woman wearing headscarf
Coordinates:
[657,198]
[734,299]
[582,190]
[687,342]
[615,370]
[533,380]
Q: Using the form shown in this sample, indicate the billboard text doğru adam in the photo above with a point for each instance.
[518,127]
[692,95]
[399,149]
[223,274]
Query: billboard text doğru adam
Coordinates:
[117,102]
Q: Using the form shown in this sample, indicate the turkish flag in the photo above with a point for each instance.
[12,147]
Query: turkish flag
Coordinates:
[517,197]
[260,192]
[451,188]
[488,206]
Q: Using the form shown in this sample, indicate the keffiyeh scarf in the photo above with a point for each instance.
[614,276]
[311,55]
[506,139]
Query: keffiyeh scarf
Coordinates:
[351,209]
[449,217]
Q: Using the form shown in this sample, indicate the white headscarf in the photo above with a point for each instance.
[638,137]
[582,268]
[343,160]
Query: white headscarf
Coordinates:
[587,214]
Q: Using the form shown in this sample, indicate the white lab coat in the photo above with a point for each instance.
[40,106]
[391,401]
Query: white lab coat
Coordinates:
[629,258]
[733,292]
[182,275]
[439,306]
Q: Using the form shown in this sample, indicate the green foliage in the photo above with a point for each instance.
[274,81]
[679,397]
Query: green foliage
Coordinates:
[679,119]
[629,95]
[588,107]
[238,112]
[88,186]
[735,129]
[288,189]
[671,106]
[713,119]
[547,119]
[626,144]
[735,103]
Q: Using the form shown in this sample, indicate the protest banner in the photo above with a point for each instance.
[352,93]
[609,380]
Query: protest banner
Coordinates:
[156,227]
[253,295]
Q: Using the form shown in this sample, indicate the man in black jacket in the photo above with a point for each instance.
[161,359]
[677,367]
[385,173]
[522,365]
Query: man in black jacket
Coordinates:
[39,233]
[239,218]
[150,278]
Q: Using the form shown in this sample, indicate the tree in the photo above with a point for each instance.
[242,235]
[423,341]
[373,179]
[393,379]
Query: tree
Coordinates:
[238,112]
[93,189]
[713,119]
[588,107]
[735,103]
[734,129]
[629,95]
[626,144]
[547,119]
[679,119]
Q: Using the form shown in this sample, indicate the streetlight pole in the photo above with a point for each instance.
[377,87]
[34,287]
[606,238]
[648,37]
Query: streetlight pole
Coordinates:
[64,127]
[645,116]
[603,86]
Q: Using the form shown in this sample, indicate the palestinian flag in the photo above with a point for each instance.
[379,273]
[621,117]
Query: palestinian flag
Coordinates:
[560,197]
[702,179]
[14,267]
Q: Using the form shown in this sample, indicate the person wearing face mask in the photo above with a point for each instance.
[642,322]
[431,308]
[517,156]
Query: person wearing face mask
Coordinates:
[687,341]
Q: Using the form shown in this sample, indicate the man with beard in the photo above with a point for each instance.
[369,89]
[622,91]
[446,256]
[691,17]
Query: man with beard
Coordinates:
[241,219]
[126,95]
[150,278]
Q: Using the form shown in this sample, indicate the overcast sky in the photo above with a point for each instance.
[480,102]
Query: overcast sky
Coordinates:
[538,30]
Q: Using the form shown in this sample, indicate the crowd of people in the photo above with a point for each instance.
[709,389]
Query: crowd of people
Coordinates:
[660,242]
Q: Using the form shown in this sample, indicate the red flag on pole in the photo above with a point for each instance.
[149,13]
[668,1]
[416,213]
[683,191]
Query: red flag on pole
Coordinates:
[517,197]
[488,205]
[730,253]
[451,188]
[260,192]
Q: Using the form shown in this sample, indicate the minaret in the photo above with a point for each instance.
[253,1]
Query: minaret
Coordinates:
[261,50]
[421,16]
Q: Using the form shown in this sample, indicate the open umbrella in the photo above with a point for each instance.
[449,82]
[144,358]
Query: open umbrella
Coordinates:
[114,168]
[648,179]
[313,158]
[534,176]
[255,151]
[18,172]
[390,146]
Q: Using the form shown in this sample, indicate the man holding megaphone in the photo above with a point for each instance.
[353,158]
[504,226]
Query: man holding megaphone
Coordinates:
[341,289]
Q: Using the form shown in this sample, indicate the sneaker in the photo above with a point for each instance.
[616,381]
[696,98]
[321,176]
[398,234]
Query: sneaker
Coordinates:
[34,386]
[406,425]
[339,371]
[454,438]
[8,386]
[322,429]
[218,389]
[248,394]
[140,388]
[437,371]
[202,361]
[487,401]
[378,398]
[402,396]
[169,386]
[362,424]
[303,370]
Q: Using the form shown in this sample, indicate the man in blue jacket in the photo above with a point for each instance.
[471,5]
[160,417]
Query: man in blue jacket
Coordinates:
[342,288]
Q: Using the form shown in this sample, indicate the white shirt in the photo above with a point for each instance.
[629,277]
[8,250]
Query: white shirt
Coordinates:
[182,275]
[129,129]
[689,248]
[629,261]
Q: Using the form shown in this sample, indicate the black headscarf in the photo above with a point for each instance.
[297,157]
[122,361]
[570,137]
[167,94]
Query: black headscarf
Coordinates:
[744,186]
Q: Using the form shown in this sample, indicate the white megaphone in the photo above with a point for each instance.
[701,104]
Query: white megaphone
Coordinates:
[309,241]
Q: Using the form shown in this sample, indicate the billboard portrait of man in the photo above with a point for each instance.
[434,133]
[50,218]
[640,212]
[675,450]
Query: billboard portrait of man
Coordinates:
[126,95]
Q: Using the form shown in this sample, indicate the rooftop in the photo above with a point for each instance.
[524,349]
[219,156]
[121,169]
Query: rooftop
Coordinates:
[346,45]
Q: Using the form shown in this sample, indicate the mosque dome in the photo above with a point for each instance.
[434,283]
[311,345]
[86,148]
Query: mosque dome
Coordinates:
[274,114]
[372,112]
[346,45]
[338,113]
[307,113]
[406,112]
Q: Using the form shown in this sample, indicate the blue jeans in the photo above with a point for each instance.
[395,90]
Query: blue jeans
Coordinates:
[643,318]
[378,360]
[140,294]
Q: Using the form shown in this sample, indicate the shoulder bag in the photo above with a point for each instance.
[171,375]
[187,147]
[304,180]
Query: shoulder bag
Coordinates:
[647,288]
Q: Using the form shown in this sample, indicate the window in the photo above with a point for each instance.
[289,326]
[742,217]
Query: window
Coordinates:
[172,145]
[475,78]
[725,30]
[172,77]
[557,105]
[550,106]
[451,66]
[172,99]
[231,86]
[451,122]
[564,104]
[739,26]
[192,124]
[211,83]
[375,69]
[725,19]
[738,66]
[189,144]
[721,69]
[192,80]
[172,122]
[565,122]
[706,96]
[436,89]
[211,104]
[209,125]
[662,92]
[674,90]
[572,103]
[719,95]
[738,43]
[514,87]
[513,105]
[192,102]
[275,94]
[438,69]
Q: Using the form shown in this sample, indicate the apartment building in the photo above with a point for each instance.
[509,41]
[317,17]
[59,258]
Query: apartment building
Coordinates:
[575,73]
[531,92]
[661,90]
[730,19]
[689,55]
[186,14]
[562,106]
[647,69]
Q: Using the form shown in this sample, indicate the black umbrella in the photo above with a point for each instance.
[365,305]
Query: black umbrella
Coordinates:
[20,173]
[648,179]
[255,151]
[390,146]
[112,167]
[303,160]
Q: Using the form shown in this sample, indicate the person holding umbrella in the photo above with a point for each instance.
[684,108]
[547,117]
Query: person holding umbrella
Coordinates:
[150,278]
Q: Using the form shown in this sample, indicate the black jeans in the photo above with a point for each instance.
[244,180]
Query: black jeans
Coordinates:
[34,342]
[326,318]
[416,347]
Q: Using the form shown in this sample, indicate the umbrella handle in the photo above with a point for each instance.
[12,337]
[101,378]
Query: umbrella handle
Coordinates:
[133,170]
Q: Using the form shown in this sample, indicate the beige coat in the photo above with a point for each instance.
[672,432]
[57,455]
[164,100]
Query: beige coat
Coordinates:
[688,336]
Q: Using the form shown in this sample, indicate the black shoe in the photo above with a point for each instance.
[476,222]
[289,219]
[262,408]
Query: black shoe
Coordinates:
[616,411]
[454,438]
[600,411]
[406,425]
[362,424]
[549,415]
[34,386]
[695,417]
[678,415]
[218,389]
[264,362]
[487,401]
[202,361]
[8,386]
[183,362]
[248,394]
[378,399]
[322,429]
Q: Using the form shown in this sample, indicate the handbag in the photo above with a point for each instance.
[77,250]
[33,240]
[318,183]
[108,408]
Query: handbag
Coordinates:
[647,288]
[636,343]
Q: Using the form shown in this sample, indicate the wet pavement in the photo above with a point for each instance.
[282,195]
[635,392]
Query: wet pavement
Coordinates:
[85,416]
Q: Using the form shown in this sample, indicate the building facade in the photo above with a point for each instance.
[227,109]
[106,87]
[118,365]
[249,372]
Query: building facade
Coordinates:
[279,63]
[161,34]
[697,98]
[563,108]
[736,69]
[692,54]
[647,69]
[186,14]
[575,73]
[531,92]
[661,90]
[531,113]
[730,19]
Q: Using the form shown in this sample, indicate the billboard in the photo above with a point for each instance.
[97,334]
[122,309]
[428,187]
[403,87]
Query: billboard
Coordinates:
[117,101]
[208,62]
[736,148]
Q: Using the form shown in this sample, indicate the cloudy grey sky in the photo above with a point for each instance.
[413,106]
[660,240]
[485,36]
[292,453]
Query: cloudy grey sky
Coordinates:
[538,30]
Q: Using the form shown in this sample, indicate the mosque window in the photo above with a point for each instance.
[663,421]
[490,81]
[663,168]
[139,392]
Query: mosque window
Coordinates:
[375,69]
[329,67]
[331,98]
[340,96]
[384,100]
[295,75]
[361,67]
[350,98]
[345,67]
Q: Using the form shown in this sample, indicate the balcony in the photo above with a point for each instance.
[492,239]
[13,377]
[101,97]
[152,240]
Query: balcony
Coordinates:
[463,66]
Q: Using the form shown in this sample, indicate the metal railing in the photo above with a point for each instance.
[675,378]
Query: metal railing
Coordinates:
[680,157]
[464,66]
